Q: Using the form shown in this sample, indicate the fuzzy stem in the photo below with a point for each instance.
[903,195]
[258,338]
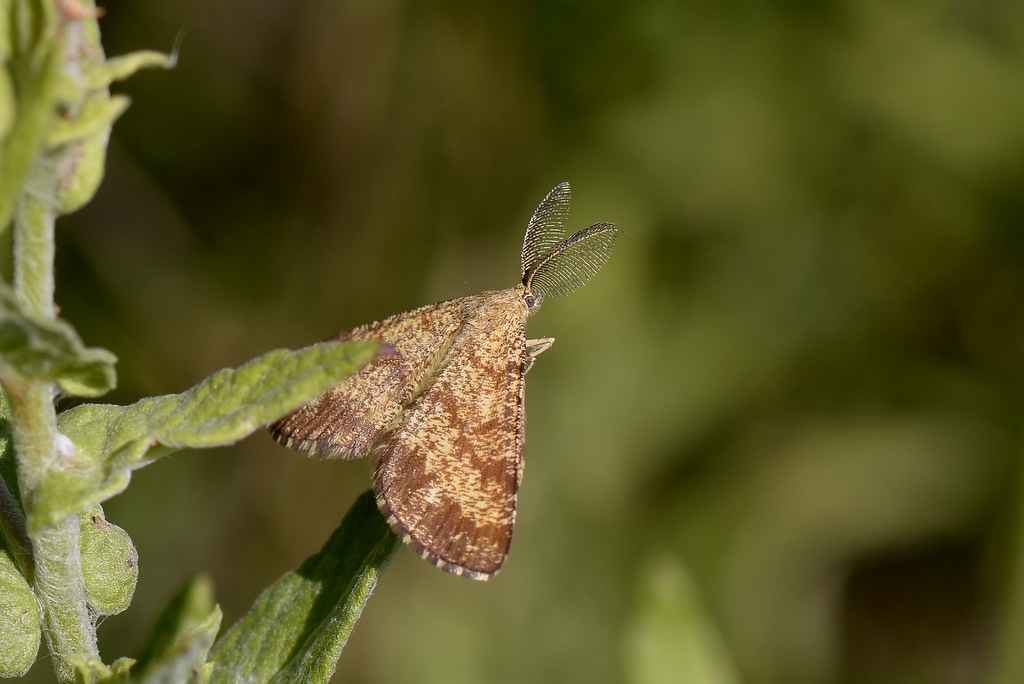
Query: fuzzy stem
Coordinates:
[34,244]
[57,580]
[60,588]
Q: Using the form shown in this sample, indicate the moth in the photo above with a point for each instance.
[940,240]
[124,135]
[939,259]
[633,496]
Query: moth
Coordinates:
[442,418]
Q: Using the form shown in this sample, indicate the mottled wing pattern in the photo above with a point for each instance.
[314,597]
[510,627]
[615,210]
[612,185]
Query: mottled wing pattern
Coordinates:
[350,419]
[448,473]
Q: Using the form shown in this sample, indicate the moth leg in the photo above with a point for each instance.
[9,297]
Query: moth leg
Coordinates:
[534,348]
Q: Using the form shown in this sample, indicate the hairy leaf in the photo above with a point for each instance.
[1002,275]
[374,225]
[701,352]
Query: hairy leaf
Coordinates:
[111,441]
[19,621]
[298,626]
[119,68]
[51,350]
[186,663]
[181,636]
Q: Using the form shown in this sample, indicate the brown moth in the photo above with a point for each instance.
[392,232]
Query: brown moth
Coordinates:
[443,417]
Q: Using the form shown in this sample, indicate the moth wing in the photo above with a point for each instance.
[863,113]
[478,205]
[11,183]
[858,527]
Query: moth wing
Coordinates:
[349,420]
[448,475]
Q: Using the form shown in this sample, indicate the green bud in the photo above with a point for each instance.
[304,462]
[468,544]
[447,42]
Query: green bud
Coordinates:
[110,563]
[19,621]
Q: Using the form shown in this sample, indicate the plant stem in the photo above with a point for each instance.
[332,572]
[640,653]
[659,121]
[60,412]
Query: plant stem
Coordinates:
[68,627]
[57,580]
[34,243]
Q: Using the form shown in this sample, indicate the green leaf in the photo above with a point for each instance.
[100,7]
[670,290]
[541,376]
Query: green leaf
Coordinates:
[85,139]
[119,68]
[29,122]
[176,649]
[11,519]
[36,109]
[111,441]
[97,117]
[187,662]
[672,636]
[83,172]
[120,671]
[51,350]
[110,563]
[189,610]
[298,626]
[91,670]
[19,621]
[8,98]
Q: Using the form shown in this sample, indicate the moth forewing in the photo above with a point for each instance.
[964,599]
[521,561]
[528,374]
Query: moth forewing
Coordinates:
[447,475]
[349,420]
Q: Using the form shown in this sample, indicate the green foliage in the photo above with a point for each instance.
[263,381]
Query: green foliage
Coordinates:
[19,621]
[33,58]
[62,564]
[177,646]
[799,379]
[110,563]
[50,108]
[673,637]
[778,380]
[111,441]
[91,670]
[296,629]
[50,350]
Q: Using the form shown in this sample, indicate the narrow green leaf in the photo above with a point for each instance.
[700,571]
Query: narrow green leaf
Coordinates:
[176,649]
[96,118]
[120,68]
[19,621]
[91,670]
[672,636]
[111,441]
[7,95]
[110,563]
[82,172]
[186,664]
[84,156]
[190,606]
[120,671]
[36,107]
[298,626]
[51,350]
[5,41]
[12,519]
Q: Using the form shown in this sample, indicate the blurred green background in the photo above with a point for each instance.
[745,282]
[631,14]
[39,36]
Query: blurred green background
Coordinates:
[778,438]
